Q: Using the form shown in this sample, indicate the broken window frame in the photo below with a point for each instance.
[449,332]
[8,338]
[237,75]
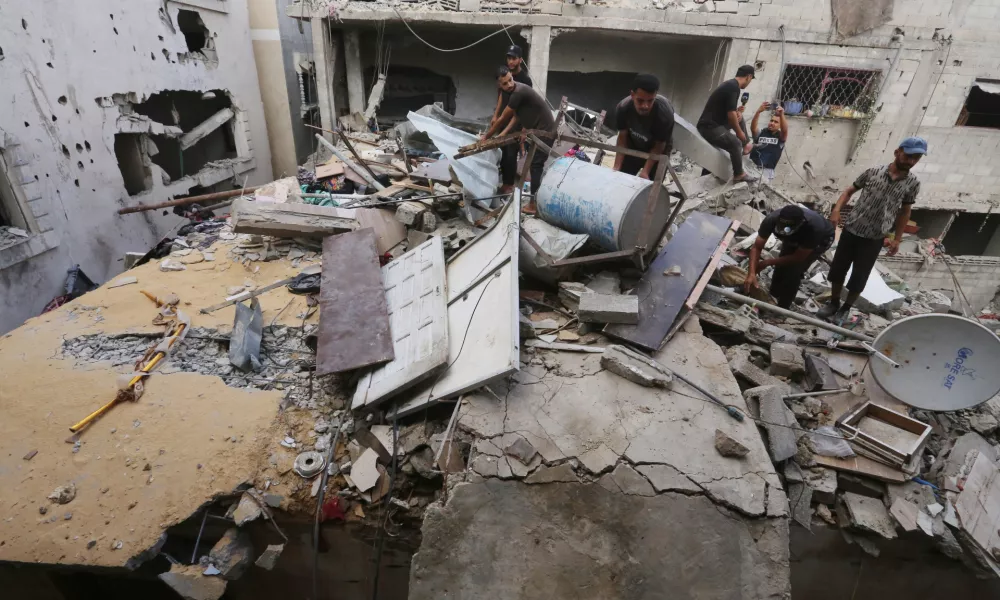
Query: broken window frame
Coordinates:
[798,96]
[985,86]
[14,209]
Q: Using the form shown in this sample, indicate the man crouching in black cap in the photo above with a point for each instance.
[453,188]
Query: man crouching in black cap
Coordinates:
[805,235]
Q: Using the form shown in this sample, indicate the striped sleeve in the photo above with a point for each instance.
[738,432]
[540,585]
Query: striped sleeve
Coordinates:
[864,178]
[911,196]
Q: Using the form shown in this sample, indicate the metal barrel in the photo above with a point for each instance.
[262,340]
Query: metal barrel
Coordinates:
[609,206]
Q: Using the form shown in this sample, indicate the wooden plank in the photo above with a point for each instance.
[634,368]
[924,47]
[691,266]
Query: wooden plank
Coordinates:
[354,315]
[663,296]
[330,169]
[712,264]
[862,466]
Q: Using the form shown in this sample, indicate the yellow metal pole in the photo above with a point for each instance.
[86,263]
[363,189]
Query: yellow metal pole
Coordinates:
[145,369]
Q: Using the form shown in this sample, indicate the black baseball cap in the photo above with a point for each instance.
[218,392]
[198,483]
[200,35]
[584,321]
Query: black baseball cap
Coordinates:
[790,219]
[515,51]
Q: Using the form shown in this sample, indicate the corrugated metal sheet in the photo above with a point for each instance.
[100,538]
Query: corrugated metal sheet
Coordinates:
[478,173]
[415,290]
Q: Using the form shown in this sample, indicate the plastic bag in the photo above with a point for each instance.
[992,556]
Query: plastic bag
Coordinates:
[827,441]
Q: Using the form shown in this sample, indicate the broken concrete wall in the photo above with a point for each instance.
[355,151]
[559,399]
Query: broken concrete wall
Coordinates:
[683,66]
[59,61]
[978,275]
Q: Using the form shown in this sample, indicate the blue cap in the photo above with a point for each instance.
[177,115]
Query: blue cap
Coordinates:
[914,145]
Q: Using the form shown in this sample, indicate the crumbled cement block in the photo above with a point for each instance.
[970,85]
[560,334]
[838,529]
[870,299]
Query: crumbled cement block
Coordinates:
[740,365]
[729,447]
[608,308]
[429,223]
[823,483]
[787,360]
[819,374]
[290,220]
[247,510]
[635,367]
[190,584]
[724,319]
[522,450]
[869,514]
[232,554]
[408,213]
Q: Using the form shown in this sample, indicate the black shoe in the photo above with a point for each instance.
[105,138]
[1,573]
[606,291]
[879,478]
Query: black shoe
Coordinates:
[841,315]
[828,311]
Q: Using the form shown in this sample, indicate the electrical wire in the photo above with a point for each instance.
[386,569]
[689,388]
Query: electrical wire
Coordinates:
[476,43]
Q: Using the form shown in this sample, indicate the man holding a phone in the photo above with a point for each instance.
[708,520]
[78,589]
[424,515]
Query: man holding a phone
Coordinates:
[770,143]
[720,122]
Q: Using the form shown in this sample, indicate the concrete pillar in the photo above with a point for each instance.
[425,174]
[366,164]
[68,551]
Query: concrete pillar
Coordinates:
[324,54]
[538,56]
[355,76]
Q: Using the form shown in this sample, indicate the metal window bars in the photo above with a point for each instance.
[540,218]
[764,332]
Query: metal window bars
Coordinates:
[831,92]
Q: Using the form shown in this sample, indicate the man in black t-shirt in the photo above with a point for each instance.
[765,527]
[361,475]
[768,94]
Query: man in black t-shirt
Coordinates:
[528,109]
[645,122]
[805,235]
[721,120]
[508,154]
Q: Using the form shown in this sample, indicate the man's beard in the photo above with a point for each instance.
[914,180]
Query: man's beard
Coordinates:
[902,166]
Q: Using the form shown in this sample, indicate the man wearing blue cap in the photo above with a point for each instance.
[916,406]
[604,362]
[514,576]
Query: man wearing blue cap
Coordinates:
[887,194]
[508,154]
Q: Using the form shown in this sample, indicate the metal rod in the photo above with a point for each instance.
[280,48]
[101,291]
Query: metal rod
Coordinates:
[819,393]
[879,355]
[595,258]
[787,313]
[188,200]
[363,173]
[197,540]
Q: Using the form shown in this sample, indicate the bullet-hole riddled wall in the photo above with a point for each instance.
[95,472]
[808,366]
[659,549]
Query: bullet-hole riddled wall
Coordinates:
[596,69]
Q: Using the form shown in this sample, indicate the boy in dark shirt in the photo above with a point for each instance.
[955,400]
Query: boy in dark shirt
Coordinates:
[770,143]
[721,120]
[508,154]
[805,235]
[528,109]
[645,122]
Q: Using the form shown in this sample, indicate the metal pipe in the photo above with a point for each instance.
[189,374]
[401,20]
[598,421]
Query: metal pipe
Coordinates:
[363,173]
[790,314]
[188,200]
[733,412]
[818,393]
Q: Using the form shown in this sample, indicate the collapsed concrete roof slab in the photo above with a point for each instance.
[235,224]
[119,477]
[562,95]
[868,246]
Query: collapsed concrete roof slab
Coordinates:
[182,427]
[508,540]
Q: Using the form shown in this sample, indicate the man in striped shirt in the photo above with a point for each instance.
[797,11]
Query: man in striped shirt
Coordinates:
[887,194]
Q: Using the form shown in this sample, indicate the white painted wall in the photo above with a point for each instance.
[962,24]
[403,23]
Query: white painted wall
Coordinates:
[69,48]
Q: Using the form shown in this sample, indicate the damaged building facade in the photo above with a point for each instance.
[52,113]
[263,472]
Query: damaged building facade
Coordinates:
[110,104]
[854,77]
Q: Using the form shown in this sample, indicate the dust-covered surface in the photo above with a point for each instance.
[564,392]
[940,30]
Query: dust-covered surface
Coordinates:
[147,465]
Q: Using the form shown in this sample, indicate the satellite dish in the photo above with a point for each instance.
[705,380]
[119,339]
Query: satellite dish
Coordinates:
[945,362]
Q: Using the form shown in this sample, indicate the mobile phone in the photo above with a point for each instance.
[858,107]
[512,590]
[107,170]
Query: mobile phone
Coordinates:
[745,98]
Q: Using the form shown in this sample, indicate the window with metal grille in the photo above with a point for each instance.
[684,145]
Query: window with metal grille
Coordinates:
[982,107]
[835,92]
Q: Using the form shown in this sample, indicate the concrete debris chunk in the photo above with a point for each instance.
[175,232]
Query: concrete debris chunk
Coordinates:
[409,213]
[232,554]
[247,510]
[290,220]
[269,557]
[729,447]
[823,482]
[800,499]
[778,419]
[819,374]
[869,514]
[522,450]
[905,514]
[636,367]
[169,265]
[786,360]
[563,473]
[608,308]
[926,523]
[666,478]
[364,471]
[983,422]
[740,364]
[189,582]
[63,494]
